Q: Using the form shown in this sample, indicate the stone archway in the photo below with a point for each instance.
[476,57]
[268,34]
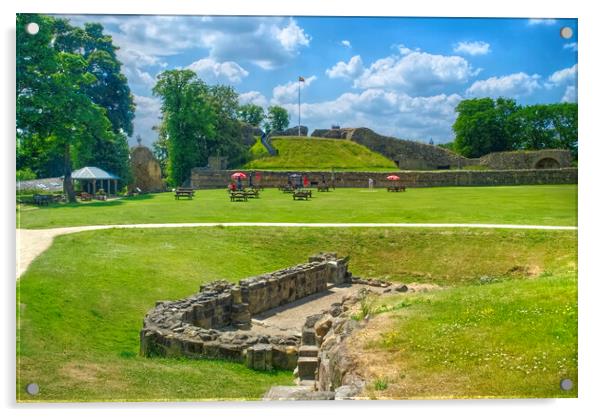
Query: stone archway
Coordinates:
[547,163]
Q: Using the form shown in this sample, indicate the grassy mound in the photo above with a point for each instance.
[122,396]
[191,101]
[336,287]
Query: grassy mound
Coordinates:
[81,303]
[302,153]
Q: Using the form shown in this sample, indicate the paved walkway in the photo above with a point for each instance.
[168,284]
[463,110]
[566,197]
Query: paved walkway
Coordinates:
[32,242]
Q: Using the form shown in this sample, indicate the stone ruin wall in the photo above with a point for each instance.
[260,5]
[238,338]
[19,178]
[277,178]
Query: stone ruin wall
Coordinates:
[214,323]
[410,155]
[411,179]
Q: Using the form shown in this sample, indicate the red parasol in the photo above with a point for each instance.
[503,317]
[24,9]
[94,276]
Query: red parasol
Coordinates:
[393,178]
[238,175]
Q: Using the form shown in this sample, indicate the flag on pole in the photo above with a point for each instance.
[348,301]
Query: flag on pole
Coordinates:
[301,79]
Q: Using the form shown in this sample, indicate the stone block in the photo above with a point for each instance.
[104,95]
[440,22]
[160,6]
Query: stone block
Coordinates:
[308,351]
[308,336]
[307,367]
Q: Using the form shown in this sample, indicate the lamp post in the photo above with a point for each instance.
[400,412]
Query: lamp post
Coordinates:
[301,80]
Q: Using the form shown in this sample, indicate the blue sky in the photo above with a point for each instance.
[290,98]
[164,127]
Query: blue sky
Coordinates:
[398,76]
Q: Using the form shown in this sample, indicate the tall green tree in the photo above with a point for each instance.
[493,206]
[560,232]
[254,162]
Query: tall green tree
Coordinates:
[278,118]
[188,121]
[52,110]
[251,113]
[485,125]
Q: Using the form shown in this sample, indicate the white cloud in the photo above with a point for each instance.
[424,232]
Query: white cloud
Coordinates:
[288,93]
[543,22]
[472,48]
[513,85]
[148,112]
[253,97]
[213,72]
[415,72]
[570,94]
[572,46]
[346,43]
[350,70]
[386,112]
[292,36]
[563,76]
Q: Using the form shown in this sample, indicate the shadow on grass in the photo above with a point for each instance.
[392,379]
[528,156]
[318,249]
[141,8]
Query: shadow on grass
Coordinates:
[107,203]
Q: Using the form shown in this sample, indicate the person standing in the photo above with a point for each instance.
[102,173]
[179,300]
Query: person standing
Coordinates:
[370,184]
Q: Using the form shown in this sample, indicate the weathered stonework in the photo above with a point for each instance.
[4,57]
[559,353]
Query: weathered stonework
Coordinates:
[411,179]
[543,159]
[412,155]
[215,323]
[291,131]
[146,172]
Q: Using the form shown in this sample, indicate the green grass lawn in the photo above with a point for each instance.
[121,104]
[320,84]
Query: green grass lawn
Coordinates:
[542,204]
[81,303]
[511,339]
[316,154]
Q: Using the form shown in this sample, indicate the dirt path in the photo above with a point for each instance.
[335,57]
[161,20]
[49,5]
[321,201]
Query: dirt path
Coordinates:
[32,242]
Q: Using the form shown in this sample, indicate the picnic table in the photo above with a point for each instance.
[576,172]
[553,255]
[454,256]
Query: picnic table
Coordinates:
[252,193]
[238,196]
[184,192]
[302,195]
[287,188]
[85,197]
[396,188]
[323,187]
[42,199]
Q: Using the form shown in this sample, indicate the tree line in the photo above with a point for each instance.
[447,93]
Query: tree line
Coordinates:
[200,120]
[74,106]
[486,125]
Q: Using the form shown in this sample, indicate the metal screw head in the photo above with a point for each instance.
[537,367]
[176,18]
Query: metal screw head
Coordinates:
[566,32]
[32,28]
[32,389]
[566,384]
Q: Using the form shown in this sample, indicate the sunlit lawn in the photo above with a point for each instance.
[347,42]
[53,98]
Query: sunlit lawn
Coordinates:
[544,205]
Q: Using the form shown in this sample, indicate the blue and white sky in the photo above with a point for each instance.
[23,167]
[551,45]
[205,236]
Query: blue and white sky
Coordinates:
[398,76]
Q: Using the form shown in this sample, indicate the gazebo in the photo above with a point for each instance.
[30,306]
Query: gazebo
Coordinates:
[89,177]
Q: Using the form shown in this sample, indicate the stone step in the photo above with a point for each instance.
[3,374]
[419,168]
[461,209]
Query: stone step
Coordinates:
[308,336]
[307,367]
[308,351]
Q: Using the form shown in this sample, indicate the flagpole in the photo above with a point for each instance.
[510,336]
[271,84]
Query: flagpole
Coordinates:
[299,125]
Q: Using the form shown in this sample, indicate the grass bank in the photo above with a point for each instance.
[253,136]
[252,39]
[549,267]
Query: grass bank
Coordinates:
[316,154]
[81,303]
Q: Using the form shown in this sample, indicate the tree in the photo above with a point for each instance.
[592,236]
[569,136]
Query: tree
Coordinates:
[53,114]
[278,119]
[485,125]
[227,141]
[188,121]
[251,114]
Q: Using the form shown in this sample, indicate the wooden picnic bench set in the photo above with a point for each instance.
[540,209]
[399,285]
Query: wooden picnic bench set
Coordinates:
[244,195]
[396,188]
[184,192]
[302,194]
[45,199]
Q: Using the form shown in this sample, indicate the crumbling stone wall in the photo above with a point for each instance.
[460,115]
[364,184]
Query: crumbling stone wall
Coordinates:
[543,159]
[291,131]
[407,154]
[215,322]
[411,179]
[146,171]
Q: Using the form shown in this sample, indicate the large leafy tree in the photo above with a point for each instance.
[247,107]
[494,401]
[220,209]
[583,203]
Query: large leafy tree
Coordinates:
[54,115]
[188,121]
[251,113]
[278,118]
[485,125]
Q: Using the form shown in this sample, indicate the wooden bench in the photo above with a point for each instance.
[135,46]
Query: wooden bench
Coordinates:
[85,197]
[396,188]
[323,187]
[238,196]
[287,189]
[252,193]
[184,192]
[101,197]
[302,195]
[42,199]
